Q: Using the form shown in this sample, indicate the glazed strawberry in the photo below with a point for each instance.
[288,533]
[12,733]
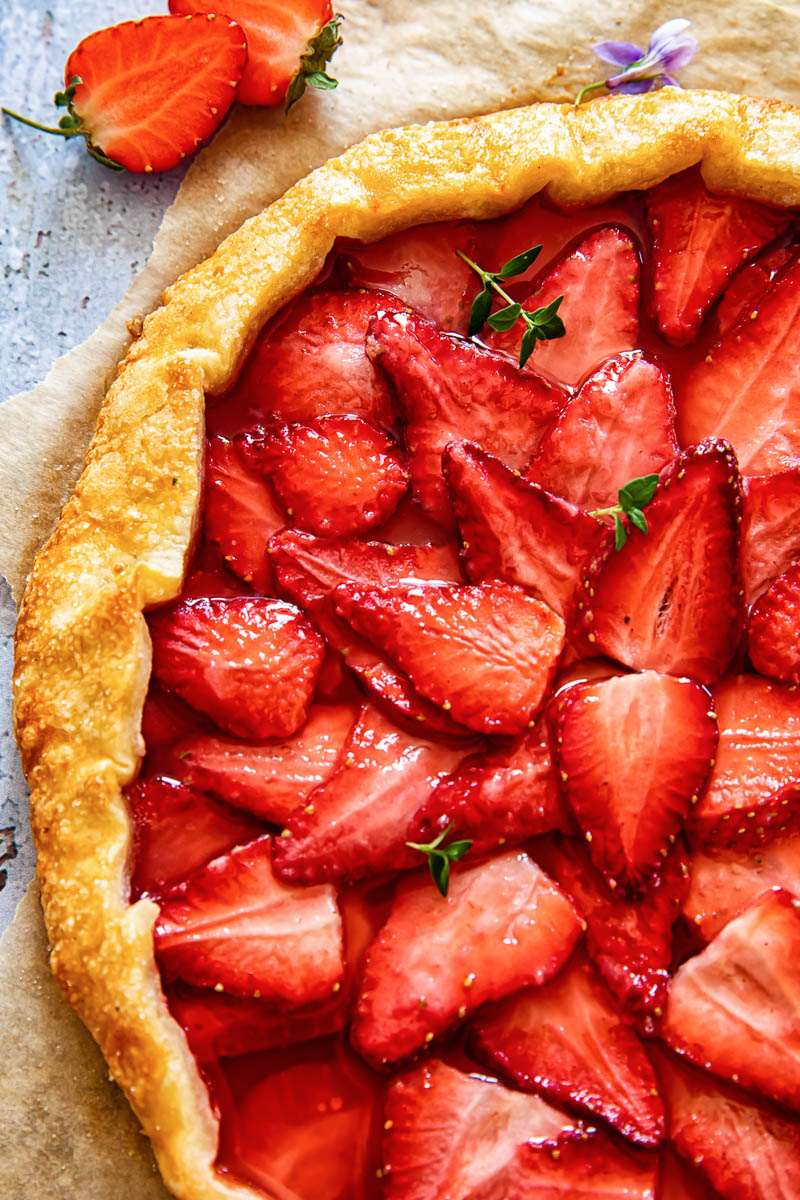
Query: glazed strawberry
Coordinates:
[487,654]
[236,927]
[250,663]
[209,576]
[599,276]
[165,718]
[241,514]
[449,389]
[772,629]
[335,475]
[422,268]
[678,1180]
[502,925]
[268,780]
[745,1150]
[699,241]
[746,390]
[671,600]
[770,529]
[745,291]
[578,1163]
[632,755]
[733,1007]
[727,881]
[279,34]
[311,360]
[356,823]
[176,830]
[620,425]
[515,530]
[753,790]
[498,797]
[447,1133]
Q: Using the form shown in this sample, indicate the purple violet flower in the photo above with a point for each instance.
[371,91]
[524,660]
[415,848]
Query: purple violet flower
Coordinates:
[670,48]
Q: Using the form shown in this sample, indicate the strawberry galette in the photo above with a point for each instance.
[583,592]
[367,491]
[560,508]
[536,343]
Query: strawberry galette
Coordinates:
[458,857]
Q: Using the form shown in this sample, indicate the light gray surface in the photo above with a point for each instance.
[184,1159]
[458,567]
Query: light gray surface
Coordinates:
[72,236]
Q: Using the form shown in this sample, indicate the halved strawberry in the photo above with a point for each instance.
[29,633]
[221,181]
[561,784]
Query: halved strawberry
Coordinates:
[421,268]
[335,475]
[770,529]
[583,1163]
[236,927]
[733,1007]
[567,1041]
[599,280]
[773,629]
[356,823]
[447,1133]
[725,882]
[745,1150]
[632,754]
[241,514]
[502,925]
[746,389]
[268,780]
[754,789]
[515,530]
[499,797]
[176,830]
[699,241]
[487,653]
[250,663]
[311,360]
[671,599]
[619,426]
[448,389]
[746,290]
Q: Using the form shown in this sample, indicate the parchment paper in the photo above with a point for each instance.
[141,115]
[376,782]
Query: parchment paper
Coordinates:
[66,1131]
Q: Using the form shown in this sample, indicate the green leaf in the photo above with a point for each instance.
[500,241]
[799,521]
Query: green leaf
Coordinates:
[323,81]
[457,850]
[440,856]
[440,871]
[527,345]
[620,532]
[313,60]
[520,263]
[505,318]
[481,307]
[546,321]
[638,492]
[637,518]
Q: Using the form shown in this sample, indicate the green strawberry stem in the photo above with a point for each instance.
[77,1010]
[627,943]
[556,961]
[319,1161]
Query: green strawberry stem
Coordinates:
[65,133]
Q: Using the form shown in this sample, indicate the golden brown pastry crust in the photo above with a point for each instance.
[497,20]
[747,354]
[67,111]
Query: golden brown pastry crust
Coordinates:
[83,654]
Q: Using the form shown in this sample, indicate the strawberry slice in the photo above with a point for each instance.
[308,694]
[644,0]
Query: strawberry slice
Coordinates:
[744,1149]
[447,1133]
[250,663]
[619,426]
[502,925]
[599,276]
[176,830]
[450,389]
[632,754]
[753,790]
[270,780]
[725,882]
[496,798]
[679,1181]
[165,718]
[422,268]
[335,475]
[699,241]
[487,654]
[770,529]
[746,389]
[241,514]
[733,1007]
[628,940]
[311,360]
[577,1164]
[567,1041]
[209,576]
[746,290]
[356,824]
[671,599]
[278,33]
[515,530]
[773,628]
[237,928]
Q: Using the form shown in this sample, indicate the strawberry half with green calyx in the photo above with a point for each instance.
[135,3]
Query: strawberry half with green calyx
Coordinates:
[234,926]
[447,1133]
[733,1008]
[450,389]
[772,629]
[770,529]
[486,654]
[144,94]
[566,1041]
[620,425]
[502,925]
[515,530]
[241,514]
[632,754]
[356,823]
[699,241]
[672,601]
[727,881]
